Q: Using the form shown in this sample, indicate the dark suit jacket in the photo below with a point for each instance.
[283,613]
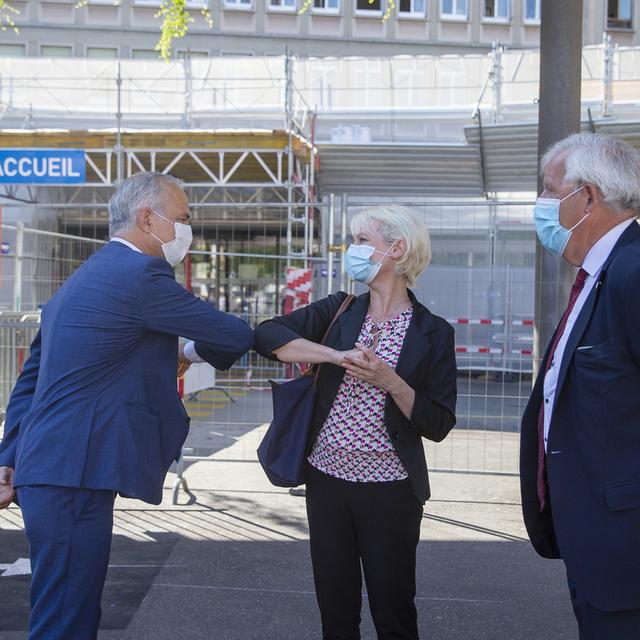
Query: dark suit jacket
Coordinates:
[97,405]
[427,363]
[593,451]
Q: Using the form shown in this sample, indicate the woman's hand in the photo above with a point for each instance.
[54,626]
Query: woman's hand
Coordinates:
[368,367]
[364,364]
[340,358]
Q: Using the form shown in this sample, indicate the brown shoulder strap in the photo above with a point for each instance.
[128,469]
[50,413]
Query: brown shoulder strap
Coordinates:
[343,307]
[313,370]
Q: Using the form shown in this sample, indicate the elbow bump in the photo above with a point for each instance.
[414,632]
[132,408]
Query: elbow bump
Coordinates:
[248,340]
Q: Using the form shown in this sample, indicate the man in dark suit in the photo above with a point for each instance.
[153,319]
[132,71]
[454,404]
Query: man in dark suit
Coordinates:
[96,410]
[580,443]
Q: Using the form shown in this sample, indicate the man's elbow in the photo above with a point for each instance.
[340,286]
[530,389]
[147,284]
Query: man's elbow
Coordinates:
[245,339]
[240,335]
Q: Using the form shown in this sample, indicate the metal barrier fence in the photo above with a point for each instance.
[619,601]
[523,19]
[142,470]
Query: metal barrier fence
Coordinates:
[481,279]
[35,262]
[17,331]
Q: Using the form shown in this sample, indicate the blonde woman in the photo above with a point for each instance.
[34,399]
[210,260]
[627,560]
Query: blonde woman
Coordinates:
[388,380]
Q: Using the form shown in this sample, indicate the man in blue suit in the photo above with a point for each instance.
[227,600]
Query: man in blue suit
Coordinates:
[96,410]
[580,442]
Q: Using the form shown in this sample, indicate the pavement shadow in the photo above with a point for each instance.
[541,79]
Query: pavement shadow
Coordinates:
[133,567]
[263,590]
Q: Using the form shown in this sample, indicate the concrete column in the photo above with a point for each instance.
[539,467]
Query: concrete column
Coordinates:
[559,116]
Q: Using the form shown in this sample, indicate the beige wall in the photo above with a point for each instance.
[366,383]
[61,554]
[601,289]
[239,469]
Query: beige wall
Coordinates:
[261,30]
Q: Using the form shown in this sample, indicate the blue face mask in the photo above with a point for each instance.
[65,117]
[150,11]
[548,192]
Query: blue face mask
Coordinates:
[358,264]
[546,217]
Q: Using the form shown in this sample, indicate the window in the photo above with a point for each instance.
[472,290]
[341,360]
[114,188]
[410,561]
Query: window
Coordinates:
[55,51]
[282,5]
[454,9]
[619,14]
[326,6]
[532,10]
[144,54]
[365,7]
[12,50]
[243,5]
[191,4]
[182,53]
[496,10]
[415,8]
[102,52]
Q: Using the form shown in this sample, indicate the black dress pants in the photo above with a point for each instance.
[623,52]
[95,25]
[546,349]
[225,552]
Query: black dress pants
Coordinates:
[373,523]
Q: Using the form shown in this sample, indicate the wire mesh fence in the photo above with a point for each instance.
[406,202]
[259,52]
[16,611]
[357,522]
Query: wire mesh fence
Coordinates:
[255,263]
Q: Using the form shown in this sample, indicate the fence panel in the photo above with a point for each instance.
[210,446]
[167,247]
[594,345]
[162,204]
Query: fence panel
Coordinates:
[481,280]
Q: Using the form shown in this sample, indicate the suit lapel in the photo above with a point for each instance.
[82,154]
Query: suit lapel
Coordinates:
[348,325]
[350,322]
[415,346]
[578,329]
[582,321]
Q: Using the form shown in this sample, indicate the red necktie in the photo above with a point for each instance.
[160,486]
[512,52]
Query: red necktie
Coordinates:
[578,285]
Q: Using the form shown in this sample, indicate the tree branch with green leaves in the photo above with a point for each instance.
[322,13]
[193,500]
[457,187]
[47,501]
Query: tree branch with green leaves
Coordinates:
[7,12]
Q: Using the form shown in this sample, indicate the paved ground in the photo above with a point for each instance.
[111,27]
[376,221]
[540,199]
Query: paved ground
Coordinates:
[234,564]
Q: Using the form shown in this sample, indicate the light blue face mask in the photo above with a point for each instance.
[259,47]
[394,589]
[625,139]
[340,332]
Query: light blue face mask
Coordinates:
[546,217]
[358,264]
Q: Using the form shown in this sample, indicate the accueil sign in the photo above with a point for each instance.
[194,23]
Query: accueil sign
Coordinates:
[42,166]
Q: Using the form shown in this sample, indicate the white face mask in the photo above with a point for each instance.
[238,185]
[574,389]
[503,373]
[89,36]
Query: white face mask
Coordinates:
[175,250]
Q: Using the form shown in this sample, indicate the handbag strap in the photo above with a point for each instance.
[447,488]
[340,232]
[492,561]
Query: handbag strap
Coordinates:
[313,370]
[343,307]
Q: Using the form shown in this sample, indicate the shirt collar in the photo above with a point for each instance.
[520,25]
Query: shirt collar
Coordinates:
[126,242]
[600,251]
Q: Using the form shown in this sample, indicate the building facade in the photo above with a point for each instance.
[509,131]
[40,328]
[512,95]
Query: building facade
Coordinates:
[129,29]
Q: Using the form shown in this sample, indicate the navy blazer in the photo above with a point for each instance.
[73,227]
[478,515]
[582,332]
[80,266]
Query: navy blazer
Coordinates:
[593,450]
[97,405]
[427,363]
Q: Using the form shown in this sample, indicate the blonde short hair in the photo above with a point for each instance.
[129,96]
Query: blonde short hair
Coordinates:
[395,223]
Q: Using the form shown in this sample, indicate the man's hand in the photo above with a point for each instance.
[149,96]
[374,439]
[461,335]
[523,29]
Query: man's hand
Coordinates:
[366,365]
[183,362]
[7,493]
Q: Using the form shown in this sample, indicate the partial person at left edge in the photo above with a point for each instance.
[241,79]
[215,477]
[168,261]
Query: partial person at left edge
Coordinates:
[96,410]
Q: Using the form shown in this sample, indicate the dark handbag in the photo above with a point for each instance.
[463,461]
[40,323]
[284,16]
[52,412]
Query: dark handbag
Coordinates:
[282,450]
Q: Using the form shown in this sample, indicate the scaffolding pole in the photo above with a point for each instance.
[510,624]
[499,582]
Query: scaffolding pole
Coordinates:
[119,150]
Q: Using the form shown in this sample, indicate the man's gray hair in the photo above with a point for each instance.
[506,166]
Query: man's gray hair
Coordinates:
[608,163]
[140,190]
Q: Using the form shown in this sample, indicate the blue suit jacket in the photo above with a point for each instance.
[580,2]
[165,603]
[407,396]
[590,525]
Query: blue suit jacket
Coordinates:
[593,459]
[96,405]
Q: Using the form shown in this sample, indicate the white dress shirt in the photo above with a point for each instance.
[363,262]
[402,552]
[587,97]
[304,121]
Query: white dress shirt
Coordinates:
[189,348]
[592,264]
[126,243]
